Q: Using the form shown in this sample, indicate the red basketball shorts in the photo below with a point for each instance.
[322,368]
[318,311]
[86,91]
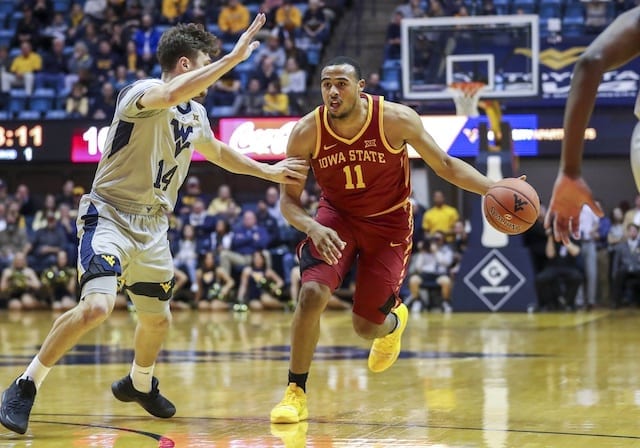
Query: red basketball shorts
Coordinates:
[380,247]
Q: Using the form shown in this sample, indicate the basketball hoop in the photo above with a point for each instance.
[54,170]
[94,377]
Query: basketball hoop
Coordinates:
[466,96]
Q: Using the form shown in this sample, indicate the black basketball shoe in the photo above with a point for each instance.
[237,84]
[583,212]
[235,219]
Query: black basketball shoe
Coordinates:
[17,402]
[152,402]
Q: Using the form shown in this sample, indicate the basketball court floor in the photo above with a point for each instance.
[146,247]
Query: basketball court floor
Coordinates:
[463,380]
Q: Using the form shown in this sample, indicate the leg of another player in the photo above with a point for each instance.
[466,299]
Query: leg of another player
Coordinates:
[305,332]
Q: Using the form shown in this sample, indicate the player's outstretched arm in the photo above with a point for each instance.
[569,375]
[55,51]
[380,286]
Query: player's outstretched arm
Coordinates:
[301,145]
[189,85]
[289,171]
[616,45]
[403,123]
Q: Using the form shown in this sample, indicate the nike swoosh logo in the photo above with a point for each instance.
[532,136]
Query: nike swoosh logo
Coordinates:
[392,244]
[329,146]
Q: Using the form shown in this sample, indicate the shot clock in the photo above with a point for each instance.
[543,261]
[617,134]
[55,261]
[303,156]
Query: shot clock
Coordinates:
[20,141]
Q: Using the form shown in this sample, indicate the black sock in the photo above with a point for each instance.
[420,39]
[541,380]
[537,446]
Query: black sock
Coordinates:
[299,378]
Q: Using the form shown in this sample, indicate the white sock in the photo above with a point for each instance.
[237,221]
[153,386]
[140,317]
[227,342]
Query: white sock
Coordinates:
[36,371]
[141,377]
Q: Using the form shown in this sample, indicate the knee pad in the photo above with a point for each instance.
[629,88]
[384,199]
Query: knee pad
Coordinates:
[101,265]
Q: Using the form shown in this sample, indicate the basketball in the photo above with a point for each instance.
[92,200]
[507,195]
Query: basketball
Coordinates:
[511,206]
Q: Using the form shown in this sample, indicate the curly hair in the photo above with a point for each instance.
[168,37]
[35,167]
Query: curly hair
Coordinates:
[185,40]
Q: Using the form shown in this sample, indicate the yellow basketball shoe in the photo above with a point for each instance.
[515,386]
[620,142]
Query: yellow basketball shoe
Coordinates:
[385,350]
[292,435]
[292,408]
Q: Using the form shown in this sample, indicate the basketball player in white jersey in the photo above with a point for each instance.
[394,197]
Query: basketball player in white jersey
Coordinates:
[122,222]
[615,46]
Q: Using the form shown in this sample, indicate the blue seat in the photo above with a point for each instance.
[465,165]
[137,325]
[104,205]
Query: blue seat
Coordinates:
[55,114]
[17,100]
[573,20]
[7,6]
[29,115]
[42,99]
[61,6]
[221,111]
[5,37]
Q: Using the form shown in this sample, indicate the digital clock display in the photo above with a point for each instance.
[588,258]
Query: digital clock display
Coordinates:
[20,141]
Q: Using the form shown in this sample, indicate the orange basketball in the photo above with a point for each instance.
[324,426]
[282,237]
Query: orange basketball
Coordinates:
[511,206]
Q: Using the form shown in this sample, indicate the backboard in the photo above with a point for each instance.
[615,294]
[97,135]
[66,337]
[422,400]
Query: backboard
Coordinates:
[500,51]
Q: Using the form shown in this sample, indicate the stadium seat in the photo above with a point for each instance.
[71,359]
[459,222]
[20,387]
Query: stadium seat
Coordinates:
[61,6]
[42,99]
[7,6]
[5,37]
[17,100]
[28,115]
[502,6]
[573,20]
[55,114]
[221,111]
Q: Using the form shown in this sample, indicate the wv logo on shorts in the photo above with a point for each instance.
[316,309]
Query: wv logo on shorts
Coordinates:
[109,259]
[166,286]
[181,135]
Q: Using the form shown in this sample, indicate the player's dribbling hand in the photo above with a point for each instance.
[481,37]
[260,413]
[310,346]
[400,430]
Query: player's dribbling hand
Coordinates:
[292,170]
[568,196]
[246,44]
[327,242]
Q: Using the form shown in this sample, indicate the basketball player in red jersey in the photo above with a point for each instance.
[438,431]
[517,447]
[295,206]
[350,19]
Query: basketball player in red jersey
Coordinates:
[615,46]
[357,146]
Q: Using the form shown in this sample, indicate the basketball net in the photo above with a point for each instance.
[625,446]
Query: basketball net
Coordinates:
[466,96]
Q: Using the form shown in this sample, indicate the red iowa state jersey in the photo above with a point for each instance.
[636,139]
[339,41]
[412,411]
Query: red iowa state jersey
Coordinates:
[363,175]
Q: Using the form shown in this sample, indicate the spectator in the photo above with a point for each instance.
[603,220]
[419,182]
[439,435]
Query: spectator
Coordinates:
[248,237]
[54,67]
[94,9]
[4,192]
[132,61]
[626,268]
[104,106]
[202,223]
[146,39]
[66,193]
[105,62]
[260,286]
[269,223]
[223,204]
[67,223]
[558,282]
[535,239]
[272,200]
[394,39]
[57,29]
[76,17]
[221,237]
[373,85]
[40,218]
[22,70]
[226,91]
[185,255]
[288,19]
[430,269]
[411,9]
[13,238]
[47,242]
[77,103]
[59,283]
[27,29]
[633,214]
[27,204]
[589,222]
[121,78]
[440,217]
[252,101]
[233,20]
[187,198]
[294,83]
[214,285]
[292,51]
[174,11]
[265,72]
[315,26]
[19,285]
[615,234]
[272,50]
[275,102]
[79,65]
[42,12]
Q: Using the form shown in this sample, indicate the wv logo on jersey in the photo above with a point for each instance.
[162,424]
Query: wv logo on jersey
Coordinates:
[518,203]
[181,136]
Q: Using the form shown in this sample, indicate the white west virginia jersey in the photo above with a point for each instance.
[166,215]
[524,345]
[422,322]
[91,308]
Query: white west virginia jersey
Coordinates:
[147,152]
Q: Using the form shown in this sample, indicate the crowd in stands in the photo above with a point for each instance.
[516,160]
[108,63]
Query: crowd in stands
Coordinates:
[70,58]
[242,256]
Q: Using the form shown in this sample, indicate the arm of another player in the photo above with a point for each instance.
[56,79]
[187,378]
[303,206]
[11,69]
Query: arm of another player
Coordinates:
[301,146]
[616,45]
[189,85]
[406,126]
[290,170]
